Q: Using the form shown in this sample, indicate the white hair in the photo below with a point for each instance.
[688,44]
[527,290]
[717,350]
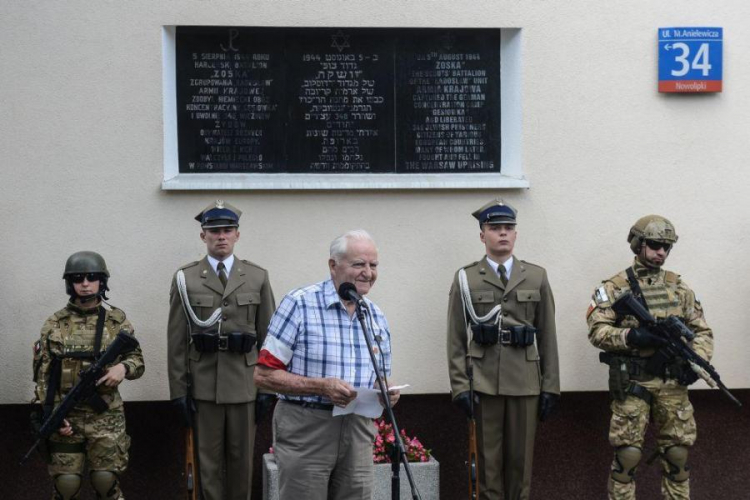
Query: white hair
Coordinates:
[340,246]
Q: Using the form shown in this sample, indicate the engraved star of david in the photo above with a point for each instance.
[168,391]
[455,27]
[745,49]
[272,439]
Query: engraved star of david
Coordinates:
[340,41]
[447,41]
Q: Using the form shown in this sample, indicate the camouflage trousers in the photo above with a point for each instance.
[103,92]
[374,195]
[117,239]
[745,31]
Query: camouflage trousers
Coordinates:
[672,414]
[103,444]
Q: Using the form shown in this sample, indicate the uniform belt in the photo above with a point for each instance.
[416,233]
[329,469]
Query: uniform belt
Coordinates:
[239,342]
[505,337]
[223,342]
[310,404]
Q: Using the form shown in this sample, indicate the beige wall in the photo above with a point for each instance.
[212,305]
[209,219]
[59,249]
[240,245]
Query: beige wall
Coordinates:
[81,134]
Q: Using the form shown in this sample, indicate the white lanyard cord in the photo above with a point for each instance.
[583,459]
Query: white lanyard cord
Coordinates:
[215,316]
[494,314]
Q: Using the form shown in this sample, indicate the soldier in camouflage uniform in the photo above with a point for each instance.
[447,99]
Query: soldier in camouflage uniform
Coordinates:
[68,343]
[636,393]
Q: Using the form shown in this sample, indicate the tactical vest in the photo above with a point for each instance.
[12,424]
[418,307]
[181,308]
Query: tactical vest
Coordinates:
[74,340]
[662,301]
[660,295]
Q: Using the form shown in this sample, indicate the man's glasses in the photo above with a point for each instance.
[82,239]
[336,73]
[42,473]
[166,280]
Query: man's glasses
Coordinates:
[658,245]
[91,277]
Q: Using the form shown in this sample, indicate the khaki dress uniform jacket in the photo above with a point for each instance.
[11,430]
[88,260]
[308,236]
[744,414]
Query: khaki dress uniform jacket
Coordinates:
[508,378]
[222,382]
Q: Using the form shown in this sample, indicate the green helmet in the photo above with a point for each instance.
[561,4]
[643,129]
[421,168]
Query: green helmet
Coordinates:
[651,227]
[84,263]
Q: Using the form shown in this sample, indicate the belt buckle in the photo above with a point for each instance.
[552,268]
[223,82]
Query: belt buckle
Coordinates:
[505,337]
[223,342]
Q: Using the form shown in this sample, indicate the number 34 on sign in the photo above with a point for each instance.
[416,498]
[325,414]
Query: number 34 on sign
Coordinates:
[690,59]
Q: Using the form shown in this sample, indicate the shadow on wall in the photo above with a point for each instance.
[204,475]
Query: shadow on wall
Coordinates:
[571,461]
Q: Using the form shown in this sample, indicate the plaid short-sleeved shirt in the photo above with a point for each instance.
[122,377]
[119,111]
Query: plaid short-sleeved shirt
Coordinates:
[312,335]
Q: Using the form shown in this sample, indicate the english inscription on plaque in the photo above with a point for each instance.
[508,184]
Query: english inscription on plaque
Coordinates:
[338,100]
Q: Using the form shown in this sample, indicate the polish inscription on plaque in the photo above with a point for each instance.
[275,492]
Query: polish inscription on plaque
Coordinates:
[338,100]
[229,100]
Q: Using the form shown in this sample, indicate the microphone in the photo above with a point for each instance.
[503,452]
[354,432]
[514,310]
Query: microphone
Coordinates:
[348,291]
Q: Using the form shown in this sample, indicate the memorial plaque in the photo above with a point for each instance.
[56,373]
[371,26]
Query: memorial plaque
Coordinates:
[341,101]
[337,100]
[449,101]
[230,99]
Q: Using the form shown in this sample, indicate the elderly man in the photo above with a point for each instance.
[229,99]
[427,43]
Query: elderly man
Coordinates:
[315,356]
[219,310]
[501,324]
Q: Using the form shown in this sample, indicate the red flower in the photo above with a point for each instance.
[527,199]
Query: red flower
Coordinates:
[385,443]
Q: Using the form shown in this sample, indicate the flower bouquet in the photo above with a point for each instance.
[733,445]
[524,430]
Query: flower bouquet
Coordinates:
[385,444]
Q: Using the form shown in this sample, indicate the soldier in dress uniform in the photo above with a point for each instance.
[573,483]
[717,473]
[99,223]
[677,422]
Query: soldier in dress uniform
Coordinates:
[70,341]
[501,322]
[659,391]
[219,311]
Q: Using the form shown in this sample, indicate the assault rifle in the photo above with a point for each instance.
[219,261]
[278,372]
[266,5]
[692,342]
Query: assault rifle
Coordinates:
[192,480]
[472,463]
[676,335]
[191,469]
[85,390]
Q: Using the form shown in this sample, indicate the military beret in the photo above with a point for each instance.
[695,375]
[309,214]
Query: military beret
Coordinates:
[219,214]
[495,212]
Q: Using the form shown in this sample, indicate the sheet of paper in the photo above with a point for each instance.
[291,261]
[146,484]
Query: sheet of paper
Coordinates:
[366,403]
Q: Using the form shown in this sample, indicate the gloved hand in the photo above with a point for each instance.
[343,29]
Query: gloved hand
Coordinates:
[642,338]
[185,407]
[547,404]
[263,404]
[463,401]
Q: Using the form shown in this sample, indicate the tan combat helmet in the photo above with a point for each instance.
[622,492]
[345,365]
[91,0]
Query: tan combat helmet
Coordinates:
[651,227]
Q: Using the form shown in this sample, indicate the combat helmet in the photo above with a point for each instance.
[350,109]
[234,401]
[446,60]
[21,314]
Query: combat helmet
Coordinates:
[86,263]
[651,227]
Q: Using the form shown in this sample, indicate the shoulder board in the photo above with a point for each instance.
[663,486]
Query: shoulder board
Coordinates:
[62,313]
[192,264]
[118,315]
[252,264]
[531,264]
[476,262]
[671,278]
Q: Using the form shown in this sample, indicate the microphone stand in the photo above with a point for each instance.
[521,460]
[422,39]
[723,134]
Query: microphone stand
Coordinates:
[400,452]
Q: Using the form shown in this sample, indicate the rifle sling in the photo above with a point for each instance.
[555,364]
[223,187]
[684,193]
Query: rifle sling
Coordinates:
[635,287]
[99,331]
[53,385]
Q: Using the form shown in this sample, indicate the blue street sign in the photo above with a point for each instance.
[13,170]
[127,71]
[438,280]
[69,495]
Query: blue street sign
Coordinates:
[690,59]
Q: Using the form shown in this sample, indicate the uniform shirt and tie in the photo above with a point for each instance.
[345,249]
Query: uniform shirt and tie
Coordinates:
[222,268]
[504,271]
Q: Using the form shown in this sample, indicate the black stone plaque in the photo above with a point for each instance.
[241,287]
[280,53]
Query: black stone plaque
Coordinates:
[338,100]
[230,100]
[449,101]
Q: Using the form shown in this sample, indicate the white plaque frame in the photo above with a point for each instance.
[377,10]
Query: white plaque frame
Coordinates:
[510,143]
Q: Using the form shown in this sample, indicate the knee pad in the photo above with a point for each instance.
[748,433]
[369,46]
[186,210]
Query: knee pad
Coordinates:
[676,458]
[626,462]
[105,484]
[67,486]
